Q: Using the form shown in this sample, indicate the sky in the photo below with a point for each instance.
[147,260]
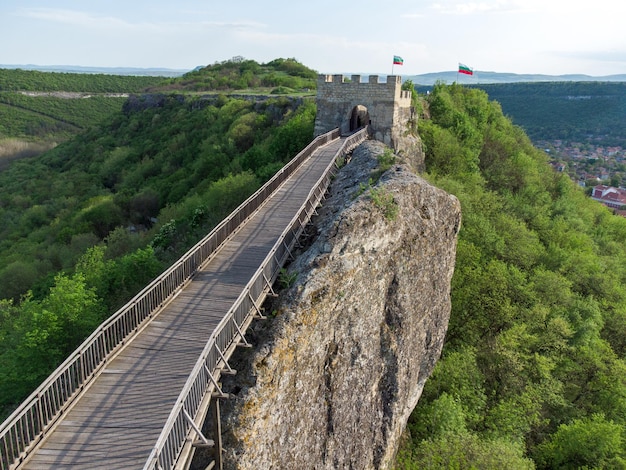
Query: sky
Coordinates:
[551,37]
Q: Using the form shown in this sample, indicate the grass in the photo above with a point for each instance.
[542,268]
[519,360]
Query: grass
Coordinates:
[386,160]
[13,149]
[286,279]
[385,201]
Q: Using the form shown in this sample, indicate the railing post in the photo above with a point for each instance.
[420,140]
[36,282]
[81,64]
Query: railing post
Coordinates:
[217,433]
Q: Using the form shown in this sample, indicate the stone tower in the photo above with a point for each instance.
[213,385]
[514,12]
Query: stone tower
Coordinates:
[351,104]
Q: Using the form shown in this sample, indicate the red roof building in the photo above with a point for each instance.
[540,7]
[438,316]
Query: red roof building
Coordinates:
[614,198]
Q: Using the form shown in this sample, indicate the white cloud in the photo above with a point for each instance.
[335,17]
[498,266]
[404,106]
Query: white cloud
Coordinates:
[75,18]
[471,8]
[239,26]
[109,23]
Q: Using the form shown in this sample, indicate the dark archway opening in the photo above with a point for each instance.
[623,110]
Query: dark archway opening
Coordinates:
[360,117]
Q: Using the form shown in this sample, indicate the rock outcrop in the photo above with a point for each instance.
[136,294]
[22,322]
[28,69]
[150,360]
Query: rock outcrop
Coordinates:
[342,360]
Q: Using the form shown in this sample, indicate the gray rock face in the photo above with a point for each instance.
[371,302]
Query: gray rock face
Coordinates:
[341,363]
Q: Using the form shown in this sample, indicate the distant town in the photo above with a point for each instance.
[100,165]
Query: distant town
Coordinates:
[600,170]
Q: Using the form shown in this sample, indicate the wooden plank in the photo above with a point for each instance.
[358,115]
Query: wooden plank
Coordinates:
[100,442]
[87,463]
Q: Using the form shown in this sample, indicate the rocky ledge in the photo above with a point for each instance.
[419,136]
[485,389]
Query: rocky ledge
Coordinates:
[342,359]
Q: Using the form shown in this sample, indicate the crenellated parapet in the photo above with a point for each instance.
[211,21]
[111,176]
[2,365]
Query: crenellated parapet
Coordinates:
[340,85]
[349,103]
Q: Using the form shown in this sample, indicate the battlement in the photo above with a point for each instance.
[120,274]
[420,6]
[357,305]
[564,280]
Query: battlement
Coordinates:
[372,79]
[358,83]
[351,102]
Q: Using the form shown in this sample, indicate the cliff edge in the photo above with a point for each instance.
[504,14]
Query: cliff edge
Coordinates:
[342,360]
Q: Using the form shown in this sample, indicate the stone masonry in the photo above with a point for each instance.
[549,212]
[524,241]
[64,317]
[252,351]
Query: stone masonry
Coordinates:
[384,106]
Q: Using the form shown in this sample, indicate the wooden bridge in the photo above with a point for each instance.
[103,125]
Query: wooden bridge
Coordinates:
[136,392]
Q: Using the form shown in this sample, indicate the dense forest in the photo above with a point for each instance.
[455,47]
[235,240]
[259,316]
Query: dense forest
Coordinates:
[587,112]
[591,112]
[533,372]
[86,225]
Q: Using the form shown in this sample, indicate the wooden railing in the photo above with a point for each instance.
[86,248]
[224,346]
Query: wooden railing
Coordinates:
[30,422]
[188,413]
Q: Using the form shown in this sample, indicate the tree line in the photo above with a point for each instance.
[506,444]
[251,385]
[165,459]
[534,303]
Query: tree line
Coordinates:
[33,80]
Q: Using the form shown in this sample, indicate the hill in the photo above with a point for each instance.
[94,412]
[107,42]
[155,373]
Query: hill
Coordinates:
[24,80]
[38,109]
[593,112]
[481,77]
[280,76]
[136,71]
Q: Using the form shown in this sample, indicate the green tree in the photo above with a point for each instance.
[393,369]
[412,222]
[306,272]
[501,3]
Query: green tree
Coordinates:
[584,443]
[43,333]
[15,277]
[464,450]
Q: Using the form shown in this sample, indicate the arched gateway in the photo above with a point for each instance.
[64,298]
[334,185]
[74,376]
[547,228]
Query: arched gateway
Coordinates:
[384,106]
[359,118]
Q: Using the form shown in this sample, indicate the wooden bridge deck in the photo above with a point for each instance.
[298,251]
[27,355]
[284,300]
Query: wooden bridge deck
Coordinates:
[117,421]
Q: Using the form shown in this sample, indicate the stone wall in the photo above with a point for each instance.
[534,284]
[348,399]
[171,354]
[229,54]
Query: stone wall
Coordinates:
[388,106]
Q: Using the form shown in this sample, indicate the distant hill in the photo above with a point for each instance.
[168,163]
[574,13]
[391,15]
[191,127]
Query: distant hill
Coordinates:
[581,111]
[585,111]
[152,72]
[496,77]
[421,79]
[39,109]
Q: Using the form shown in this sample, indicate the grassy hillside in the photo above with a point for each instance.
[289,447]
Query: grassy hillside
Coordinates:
[533,372]
[85,226]
[43,116]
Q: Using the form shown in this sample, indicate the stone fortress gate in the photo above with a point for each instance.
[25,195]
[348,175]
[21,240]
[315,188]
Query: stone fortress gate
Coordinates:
[348,105]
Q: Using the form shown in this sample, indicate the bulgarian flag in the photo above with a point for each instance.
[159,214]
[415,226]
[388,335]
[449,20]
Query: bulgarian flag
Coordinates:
[465,69]
[397,60]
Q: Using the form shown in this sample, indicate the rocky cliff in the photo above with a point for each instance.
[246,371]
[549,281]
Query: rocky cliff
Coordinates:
[342,359]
